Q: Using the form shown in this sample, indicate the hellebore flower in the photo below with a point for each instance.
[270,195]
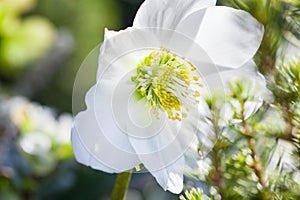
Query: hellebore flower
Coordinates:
[145,107]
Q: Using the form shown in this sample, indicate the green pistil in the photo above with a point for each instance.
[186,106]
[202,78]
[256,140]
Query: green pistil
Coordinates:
[165,81]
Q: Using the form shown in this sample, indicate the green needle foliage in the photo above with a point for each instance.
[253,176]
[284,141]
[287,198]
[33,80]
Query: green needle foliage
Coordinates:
[253,158]
[287,85]
[194,194]
[257,155]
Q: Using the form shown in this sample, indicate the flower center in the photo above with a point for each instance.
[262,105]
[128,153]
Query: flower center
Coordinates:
[168,83]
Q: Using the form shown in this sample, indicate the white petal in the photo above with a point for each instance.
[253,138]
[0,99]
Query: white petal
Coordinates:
[108,114]
[164,153]
[165,134]
[131,115]
[125,49]
[171,140]
[165,161]
[105,147]
[205,132]
[192,156]
[254,81]
[108,34]
[171,177]
[230,37]
[167,14]
[139,113]
[207,136]
[84,157]
[247,72]
[128,48]
[251,107]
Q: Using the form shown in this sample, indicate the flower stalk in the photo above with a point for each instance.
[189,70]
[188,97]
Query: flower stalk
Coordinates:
[121,186]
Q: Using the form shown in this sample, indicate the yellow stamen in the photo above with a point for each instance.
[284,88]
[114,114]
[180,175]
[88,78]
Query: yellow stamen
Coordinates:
[164,80]
[196,93]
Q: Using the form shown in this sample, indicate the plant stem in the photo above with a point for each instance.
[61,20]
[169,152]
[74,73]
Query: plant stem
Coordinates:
[121,186]
[288,118]
[217,174]
[256,166]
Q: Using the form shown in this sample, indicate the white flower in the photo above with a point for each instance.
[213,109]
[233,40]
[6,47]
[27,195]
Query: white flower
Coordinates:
[145,107]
